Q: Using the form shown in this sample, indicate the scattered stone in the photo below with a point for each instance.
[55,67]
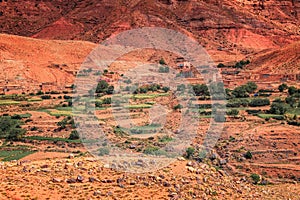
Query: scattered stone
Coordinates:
[71,156]
[132,182]
[181,158]
[166,184]
[97,193]
[106,166]
[146,184]
[79,179]
[92,179]
[56,180]
[71,180]
[162,176]
[223,162]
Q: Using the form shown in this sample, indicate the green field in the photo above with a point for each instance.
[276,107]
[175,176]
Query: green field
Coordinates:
[54,139]
[35,99]
[142,96]
[8,102]
[8,155]
[138,106]
[265,116]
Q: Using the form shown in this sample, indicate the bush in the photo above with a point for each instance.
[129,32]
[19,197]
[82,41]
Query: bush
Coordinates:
[233,112]
[240,92]
[248,155]
[106,101]
[39,92]
[165,89]
[189,152]
[163,69]
[154,151]
[221,65]
[162,61]
[294,123]
[101,87]
[74,135]
[259,102]
[178,107]
[278,108]
[10,129]
[103,151]
[45,97]
[255,178]
[201,90]
[282,87]
[292,90]
[251,112]
[250,87]
[67,97]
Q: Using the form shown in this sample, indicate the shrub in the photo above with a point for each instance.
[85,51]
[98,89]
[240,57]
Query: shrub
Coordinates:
[233,112]
[103,151]
[45,97]
[292,90]
[278,108]
[154,151]
[67,97]
[74,135]
[250,87]
[39,92]
[165,89]
[221,65]
[294,123]
[200,90]
[248,155]
[255,178]
[163,69]
[240,92]
[106,101]
[162,61]
[101,87]
[10,129]
[34,128]
[282,87]
[178,107]
[259,102]
[189,152]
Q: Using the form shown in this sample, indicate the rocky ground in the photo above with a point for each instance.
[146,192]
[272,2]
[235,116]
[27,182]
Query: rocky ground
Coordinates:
[87,178]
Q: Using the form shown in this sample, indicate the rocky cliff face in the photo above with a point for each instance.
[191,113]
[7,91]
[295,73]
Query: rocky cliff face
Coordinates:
[238,26]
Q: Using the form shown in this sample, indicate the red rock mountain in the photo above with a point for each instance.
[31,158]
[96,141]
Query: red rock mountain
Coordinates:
[230,30]
[236,26]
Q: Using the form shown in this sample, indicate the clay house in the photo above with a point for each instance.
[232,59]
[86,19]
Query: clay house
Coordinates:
[12,89]
[48,87]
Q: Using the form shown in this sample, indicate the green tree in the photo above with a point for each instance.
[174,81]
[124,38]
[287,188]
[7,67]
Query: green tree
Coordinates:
[278,108]
[250,87]
[292,90]
[240,92]
[102,86]
[10,129]
[200,90]
[282,87]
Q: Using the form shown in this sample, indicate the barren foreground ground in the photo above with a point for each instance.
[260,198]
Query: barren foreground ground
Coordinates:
[86,178]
